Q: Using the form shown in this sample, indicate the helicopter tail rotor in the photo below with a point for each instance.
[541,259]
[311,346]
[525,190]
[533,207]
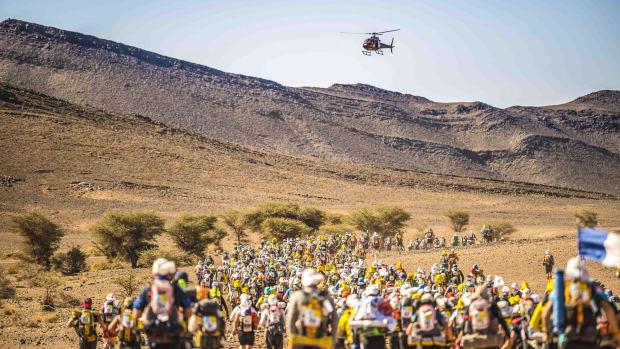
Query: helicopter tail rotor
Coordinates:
[392,46]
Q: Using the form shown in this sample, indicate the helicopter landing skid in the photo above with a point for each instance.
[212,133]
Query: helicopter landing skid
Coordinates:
[380,52]
[367,53]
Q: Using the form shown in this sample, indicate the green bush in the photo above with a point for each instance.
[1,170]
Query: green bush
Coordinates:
[71,262]
[42,236]
[149,256]
[233,220]
[127,234]
[6,288]
[386,220]
[312,218]
[107,265]
[194,234]
[284,228]
[458,219]
[586,218]
[501,229]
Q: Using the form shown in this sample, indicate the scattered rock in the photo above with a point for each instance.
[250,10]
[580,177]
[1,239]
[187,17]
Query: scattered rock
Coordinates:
[8,181]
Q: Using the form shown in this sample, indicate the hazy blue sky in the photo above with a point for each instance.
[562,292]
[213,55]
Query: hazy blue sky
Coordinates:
[502,52]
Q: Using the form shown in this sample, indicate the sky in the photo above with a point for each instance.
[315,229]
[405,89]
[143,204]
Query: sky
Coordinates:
[501,52]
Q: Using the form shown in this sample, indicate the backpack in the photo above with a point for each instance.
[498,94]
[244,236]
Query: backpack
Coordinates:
[479,315]
[548,260]
[427,320]
[162,299]
[580,312]
[246,320]
[128,335]
[110,310]
[312,316]
[85,326]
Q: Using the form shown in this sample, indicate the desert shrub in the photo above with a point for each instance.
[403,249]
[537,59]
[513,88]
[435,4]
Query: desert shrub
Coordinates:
[194,234]
[127,234]
[284,228]
[312,218]
[233,220]
[49,283]
[42,236]
[67,301]
[6,288]
[386,220]
[12,269]
[130,284]
[336,228]
[71,262]
[501,229]
[49,318]
[149,256]
[107,265]
[458,219]
[334,218]
[28,270]
[8,310]
[93,251]
[586,218]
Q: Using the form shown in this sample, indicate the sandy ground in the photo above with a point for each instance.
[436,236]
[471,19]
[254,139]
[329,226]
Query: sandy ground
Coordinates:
[516,261]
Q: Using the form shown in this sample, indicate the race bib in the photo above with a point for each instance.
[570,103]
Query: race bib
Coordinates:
[163,301]
[312,318]
[274,317]
[127,321]
[84,319]
[407,312]
[247,323]
[209,323]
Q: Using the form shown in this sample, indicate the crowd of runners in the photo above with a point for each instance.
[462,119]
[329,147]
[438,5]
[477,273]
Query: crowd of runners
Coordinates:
[324,293]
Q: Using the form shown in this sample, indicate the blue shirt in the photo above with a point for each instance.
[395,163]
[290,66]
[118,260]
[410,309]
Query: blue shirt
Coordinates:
[180,298]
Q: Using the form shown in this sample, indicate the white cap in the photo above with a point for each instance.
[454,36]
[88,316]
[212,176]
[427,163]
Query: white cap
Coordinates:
[576,269]
[110,297]
[547,252]
[371,290]
[272,299]
[311,278]
[158,266]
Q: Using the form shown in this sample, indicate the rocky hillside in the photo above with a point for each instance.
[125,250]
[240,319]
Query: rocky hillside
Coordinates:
[573,145]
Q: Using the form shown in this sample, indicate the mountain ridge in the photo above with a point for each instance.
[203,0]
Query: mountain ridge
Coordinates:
[352,122]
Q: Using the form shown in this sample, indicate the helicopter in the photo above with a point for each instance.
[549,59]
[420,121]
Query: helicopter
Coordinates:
[373,43]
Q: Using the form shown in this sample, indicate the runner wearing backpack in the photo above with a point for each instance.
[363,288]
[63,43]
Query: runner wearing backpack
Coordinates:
[85,324]
[548,263]
[272,319]
[311,319]
[208,324]
[165,308]
[128,335]
[580,301]
[245,321]
[373,319]
[109,310]
[426,329]
[481,322]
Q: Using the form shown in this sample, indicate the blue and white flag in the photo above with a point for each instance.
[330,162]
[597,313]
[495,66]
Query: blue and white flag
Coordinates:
[599,246]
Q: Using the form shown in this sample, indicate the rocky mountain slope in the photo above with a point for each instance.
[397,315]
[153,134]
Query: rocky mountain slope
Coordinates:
[574,145]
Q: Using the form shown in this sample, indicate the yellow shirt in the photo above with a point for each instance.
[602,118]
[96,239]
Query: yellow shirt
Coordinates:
[343,324]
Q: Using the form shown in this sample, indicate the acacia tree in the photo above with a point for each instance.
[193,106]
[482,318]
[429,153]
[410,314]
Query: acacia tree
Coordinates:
[386,220]
[233,220]
[309,217]
[127,234]
[42,236]
[284,228]
[586,218]
[458,219]
[194,234]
